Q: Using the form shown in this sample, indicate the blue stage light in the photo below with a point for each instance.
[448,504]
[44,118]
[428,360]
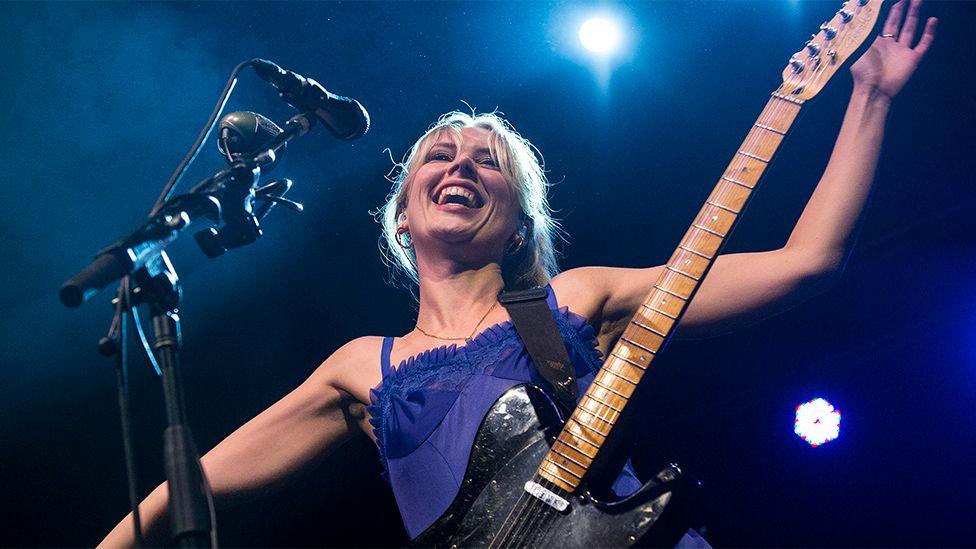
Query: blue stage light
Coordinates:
[599,35]
[817,422]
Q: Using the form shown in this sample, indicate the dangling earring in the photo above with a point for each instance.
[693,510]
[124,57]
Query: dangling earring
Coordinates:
[402,230]
[402,235]
[518,239]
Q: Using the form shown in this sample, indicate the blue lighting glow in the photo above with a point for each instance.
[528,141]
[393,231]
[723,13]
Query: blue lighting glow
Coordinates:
[599,35]
[817,422]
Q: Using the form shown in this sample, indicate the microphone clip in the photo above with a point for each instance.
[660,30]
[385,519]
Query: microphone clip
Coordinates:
[245,227]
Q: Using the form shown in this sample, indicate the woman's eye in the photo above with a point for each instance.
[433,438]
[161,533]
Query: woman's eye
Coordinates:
[489,161]
[440,156]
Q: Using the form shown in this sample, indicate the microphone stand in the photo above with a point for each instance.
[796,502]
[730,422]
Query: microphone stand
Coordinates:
[141,255]
[191,508]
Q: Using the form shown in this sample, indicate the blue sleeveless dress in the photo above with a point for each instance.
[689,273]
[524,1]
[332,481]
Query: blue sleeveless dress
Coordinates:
[426,412]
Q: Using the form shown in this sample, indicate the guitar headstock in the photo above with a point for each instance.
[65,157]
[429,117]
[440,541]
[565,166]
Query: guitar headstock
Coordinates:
[810,68]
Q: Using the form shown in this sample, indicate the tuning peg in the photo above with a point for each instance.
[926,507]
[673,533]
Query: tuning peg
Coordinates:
[796,64]
[845,16]
[829,32]
[813,49]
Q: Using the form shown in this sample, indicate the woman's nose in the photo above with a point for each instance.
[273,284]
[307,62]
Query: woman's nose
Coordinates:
[463,166]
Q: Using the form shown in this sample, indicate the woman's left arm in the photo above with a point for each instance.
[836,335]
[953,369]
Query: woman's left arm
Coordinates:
[743,288]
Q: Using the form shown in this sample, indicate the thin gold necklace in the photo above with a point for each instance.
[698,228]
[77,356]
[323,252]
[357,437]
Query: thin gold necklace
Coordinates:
[466,339]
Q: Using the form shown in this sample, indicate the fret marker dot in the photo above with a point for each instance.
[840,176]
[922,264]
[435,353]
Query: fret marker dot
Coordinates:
[687,262]
[714,218]
[663,301]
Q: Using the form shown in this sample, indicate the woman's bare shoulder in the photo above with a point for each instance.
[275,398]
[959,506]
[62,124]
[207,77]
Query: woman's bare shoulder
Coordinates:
[580,289]
[354,367]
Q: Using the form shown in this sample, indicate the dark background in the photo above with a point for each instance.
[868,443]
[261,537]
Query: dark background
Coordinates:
[100,101]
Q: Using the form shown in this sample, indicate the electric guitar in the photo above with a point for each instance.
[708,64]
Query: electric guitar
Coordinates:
[527,479]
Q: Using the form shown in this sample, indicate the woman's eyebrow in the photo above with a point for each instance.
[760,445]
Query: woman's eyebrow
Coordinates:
[452,146]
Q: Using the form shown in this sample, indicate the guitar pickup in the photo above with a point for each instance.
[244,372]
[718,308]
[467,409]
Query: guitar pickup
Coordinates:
[546,496]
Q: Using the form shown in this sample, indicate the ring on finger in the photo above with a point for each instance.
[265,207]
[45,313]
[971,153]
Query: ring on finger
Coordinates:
[887,35]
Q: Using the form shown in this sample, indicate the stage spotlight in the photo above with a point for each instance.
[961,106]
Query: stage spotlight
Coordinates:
[817,422]
[599,35]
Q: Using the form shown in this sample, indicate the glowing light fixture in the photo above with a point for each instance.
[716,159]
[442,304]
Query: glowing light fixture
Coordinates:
[817,422]
[599,35]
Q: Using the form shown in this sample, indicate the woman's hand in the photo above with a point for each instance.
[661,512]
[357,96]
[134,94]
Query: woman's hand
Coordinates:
[891,60]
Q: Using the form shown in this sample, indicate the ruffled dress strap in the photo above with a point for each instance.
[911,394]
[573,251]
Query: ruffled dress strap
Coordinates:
[385,367]
[551,298]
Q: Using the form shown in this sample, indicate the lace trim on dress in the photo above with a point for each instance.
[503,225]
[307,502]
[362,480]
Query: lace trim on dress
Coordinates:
[448,367]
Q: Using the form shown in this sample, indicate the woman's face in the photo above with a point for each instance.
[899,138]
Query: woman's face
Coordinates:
[459,197]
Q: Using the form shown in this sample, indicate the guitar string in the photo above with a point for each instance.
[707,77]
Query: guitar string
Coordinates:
[530,522]
[517,528]
[758,139]
[523,520]
[544,534]
[528,516]
[519,504]
[508,527]
[536,508]
[534,529]
[527,513]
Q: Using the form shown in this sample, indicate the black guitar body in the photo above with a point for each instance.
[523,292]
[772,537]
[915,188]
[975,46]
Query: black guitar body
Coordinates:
[493,509]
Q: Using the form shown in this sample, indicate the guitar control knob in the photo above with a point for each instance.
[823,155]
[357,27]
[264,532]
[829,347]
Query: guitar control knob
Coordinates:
[829,32]
[813,49]
[845,16]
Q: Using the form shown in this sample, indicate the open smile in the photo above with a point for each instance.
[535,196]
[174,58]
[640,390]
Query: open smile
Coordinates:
[457,194]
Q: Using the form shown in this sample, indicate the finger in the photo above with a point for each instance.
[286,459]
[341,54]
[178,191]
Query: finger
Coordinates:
[894,18]
[928,36]
[907,35]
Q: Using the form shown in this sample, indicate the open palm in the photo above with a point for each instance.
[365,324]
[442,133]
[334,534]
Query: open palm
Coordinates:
[891,60]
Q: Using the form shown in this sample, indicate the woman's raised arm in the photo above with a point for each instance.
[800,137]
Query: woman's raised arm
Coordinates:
[283,440]
[744,288]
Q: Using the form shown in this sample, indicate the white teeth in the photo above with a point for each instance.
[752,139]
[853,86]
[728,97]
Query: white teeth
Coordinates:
[459,191]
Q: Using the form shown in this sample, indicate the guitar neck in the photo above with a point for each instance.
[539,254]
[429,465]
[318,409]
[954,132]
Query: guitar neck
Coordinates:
[584,434]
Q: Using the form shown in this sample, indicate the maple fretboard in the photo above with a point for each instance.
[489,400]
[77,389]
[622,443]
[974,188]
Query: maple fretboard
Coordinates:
[584,434]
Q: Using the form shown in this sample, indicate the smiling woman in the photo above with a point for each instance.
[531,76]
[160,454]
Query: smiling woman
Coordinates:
[467,218]
[498,148]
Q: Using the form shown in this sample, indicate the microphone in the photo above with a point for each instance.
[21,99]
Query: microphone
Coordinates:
[344,117]
[245,133]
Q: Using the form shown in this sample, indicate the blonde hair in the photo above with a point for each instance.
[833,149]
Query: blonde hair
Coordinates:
[521,164]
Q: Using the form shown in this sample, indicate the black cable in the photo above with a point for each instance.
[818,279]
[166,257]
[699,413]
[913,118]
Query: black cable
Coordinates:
[145,342]
[204,135]
[125,413]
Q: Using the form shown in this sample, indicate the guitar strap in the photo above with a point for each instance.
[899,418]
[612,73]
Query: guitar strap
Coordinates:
[536,326]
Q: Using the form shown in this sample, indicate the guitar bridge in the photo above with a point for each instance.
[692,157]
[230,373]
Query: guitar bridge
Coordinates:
[546,496]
